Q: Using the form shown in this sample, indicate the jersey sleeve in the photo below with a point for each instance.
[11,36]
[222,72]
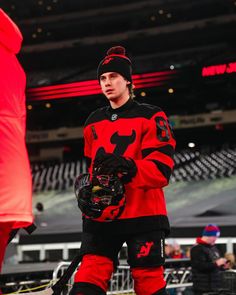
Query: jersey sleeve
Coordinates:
[87,147]
[157,147]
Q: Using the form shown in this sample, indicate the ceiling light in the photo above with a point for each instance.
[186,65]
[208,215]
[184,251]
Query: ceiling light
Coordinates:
[171,90]
[48,105]
[191,144]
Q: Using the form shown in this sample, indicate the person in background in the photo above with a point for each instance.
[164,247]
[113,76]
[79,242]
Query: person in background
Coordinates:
[134,142]
[230,260]
[207,262]
[187,251]
[229,275]
[15,175]
[177,252]
[168,249]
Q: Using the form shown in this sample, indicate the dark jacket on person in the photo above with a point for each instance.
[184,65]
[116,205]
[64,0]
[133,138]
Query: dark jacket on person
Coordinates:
[205,272]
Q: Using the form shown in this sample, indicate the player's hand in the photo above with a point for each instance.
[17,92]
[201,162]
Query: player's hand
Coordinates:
[220,261]
[112,164]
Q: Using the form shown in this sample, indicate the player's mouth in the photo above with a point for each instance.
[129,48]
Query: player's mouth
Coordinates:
[109,91]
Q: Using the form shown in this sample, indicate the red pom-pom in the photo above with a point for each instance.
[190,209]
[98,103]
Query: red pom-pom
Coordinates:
[116,50]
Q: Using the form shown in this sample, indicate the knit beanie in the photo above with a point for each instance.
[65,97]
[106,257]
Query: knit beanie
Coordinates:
[211,230]
[116,61]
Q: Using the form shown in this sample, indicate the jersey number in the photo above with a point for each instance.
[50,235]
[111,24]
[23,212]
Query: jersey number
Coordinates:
[163,132]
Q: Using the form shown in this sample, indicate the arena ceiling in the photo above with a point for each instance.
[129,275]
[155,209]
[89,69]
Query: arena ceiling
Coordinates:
[61,35]
[64,40]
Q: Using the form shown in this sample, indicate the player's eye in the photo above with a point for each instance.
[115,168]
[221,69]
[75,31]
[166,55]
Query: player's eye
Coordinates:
[102,78]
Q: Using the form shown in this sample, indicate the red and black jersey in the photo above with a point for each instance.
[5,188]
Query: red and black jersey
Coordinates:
[141,132]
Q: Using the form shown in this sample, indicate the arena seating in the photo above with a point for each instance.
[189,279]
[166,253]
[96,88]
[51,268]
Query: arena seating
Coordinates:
[190,165]
[194,165]
[56,176]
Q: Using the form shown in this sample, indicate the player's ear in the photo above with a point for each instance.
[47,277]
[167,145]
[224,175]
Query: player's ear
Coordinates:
[128,82]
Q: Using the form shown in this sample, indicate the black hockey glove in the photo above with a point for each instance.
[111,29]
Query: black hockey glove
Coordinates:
[111,164]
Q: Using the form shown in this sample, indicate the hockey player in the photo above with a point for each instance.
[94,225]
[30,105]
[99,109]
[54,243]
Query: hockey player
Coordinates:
[135,142]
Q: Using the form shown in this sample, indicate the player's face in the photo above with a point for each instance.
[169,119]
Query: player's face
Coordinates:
[114,87]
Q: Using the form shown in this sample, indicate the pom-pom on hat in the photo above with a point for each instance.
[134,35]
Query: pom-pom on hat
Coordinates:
[211,230]
[116,61]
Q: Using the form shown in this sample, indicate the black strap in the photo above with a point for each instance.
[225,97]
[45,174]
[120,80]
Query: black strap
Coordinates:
[29,229]
[59,286]
[12,235]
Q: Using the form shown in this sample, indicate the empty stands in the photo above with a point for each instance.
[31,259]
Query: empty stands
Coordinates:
[190,165]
